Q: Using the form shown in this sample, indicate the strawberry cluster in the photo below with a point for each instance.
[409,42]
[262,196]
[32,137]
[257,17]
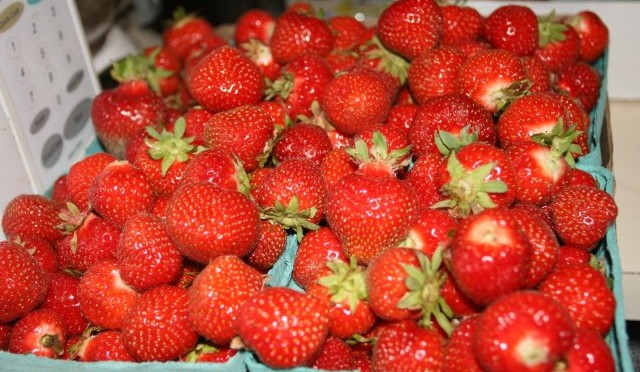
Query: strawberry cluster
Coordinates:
[416,179]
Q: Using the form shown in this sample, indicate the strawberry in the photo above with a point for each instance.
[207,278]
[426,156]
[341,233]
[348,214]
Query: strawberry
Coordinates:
[431,229]
[373,55]
[579,177]
[62,298]
[410,27]
[489,255]
[301,82]
[593,35]
[577,116]
[458,351]
[302,140]
[105,299]
[217,293]
[341,61]
[335,355]
[348,32]
[254,24]
[224,79]
[186,33]
[404,346]
[32,215]
[104,346]
[23,283]
[296,34]
[119,189]
[315,249]
[41,333]
[513,28]
[589,352]
[5,335]
[271,244]
[276,319]
[228,215]
[492,78]
[538,74]
[423,177]
[355,101]
[460,24]
[42,251]
[569,255]
[60,190]
[246,131]
[146,255]
[260,54]
[558,43]
[451,113]
[195,119]
[581,82]
[337,164]
[216,166]
[434,73]
[163,70]
[82,173]
[581,215]
[293,194]
[207,353]
[584,292]
[401,116]
[156,328]
[536,334]
[458,302]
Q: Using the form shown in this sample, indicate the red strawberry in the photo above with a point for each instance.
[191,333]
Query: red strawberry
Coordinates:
[513,28]
[224,79]
[296,34]
[206,353]
[302,81]
[23,283]
[105,299]
[593,34]
[489,255]
[302,140]
[42,251]
[276,319]
[5,335]
[434,73]
[579,177]
[401,116]
[335,355]
[423,176]
[216,166]
[119,189]
[41,333]
[62,298]
[82,173]
[492,78]
[104,346]
[458,351]
[271,244]
[410,27]
[341,61]
[316,249]
[569,255]
[186,33]
[32,215]
[589,352]
[523,330]
[584,292]
[404,346]
[431,229]
[581,215]
[60,190]
[577,116]
[195,119]
[450,113]
[355,101]
[146,255]
[460,304]
[558,43]
[260,54]
[217,293]
[537,73]
[156,328]
[337,164]
[228,215]
[254,24]
[581,82]
[460,24]
[246,131]
[163,70]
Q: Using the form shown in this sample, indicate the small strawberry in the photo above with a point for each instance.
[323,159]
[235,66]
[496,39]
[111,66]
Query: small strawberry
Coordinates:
[302,140]
[82,173]
[348,32]
[156,328]
[423,177]
[216,166]
[537,73]
[579,177]
[196,119]
[460,24]
[593,34]
[104,346]
[558,43]
[271,244]
[296,34]
[207,353]
[404,346]
[458,351]
[410,27]
[335,355]
[254,24]
[589,352]
[316,249]
[23,283]
[513,28]
[62,298]
[434,73]
[581,82]
[163,70]
[523,330]
[431,229]
[581,215]
[337,164]
[228,215]
[32,215]
[569,255]
[60,190]
[283,327]
[217,293]
[260,54]
[186,33]
[41,333]
[459,303]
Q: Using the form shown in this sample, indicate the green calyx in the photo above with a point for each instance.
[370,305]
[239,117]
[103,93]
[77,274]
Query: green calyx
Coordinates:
[280,87]
[423,285]
[390,62]
[194,355]
[549,30]
[378,155]
[72,218]
[468,190]
[170,147]
[242,178]
[140,67]
[346,284]
[561,142]
[291,217]
[447,142]
[503,97]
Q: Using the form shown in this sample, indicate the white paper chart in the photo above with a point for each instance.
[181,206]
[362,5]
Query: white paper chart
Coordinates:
[47,85]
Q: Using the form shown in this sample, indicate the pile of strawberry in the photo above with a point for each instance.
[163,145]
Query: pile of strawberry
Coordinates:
[422,171]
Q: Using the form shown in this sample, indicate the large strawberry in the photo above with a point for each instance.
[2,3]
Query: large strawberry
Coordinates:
[156,328]
[227,214]
[410,27]
[217,293]
[41,333]
[32,215]
[589,352]
[224,79]
[513,28]
[404,346]
[296,34]
[283,327]
[23,283]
